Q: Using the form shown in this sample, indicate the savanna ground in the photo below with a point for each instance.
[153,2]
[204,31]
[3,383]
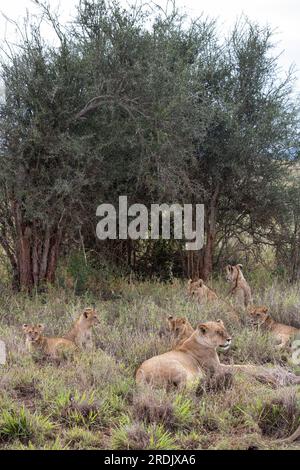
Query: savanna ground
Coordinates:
[91,401]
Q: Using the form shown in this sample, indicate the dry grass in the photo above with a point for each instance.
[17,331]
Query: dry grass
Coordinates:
[91,401]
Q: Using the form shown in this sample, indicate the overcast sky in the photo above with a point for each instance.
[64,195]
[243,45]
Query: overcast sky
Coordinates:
[282,15]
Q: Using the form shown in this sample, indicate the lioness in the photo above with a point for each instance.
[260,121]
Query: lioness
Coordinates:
[200,291]
[240,288]
[282,333]
[180,328]
[188,361]
[81,332]
[35,341]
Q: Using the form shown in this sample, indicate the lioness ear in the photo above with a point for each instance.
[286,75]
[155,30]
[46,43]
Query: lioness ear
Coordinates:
[183,320]
[85,314]
[200,282]
[202,327]
[220,321]
[265,309]
[41,327]
[239,266]
[24,326]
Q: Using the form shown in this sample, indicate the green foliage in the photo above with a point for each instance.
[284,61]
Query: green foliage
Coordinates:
[19,424]
[152,105]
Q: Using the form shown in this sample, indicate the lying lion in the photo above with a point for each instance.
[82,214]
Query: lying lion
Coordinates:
[240,288]
[281,332]
[188,361]
[52,347]
[203,294]
[200,291]
[81,332]
[197,356]
[180,329]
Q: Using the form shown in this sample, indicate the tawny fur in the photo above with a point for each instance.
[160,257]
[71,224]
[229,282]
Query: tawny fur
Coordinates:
[53,347]
[197,356]
[240,288]
[180,329]
[81,331]
[188,361]
[201,292]
[282,333]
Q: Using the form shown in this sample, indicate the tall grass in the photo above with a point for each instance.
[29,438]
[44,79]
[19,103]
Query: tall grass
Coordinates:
[91,401]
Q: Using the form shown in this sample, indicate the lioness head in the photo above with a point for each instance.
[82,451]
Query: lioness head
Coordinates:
[33,332]
[214,335]
[259,315]
[89,317]
[232,272]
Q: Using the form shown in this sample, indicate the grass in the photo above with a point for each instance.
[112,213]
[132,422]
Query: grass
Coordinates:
[91,401]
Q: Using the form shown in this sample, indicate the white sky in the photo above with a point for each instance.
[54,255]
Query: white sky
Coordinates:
[282,15]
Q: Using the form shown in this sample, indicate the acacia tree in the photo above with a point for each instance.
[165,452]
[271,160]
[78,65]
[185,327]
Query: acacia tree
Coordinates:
[251,133]
[104,113]
[40,166]
[140,104]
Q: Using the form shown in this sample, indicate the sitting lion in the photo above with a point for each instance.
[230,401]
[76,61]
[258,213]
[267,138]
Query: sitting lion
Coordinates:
[188,361]
[52,347]
[282,333]
[240,288]
[180,329]
[81,332]
[200,291]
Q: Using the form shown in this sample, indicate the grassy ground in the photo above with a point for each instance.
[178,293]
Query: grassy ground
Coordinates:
[106,410]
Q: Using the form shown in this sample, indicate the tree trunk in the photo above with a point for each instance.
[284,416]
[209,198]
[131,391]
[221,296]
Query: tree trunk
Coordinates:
[32,250]
[210,222]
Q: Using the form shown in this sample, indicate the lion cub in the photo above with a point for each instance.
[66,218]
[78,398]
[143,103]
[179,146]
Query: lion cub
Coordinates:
[35,341]
[282,333]
[81,332]
[180,328]
[240,288]
[200,291]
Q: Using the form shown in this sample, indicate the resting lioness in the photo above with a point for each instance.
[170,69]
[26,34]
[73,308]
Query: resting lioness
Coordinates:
[180,328]
[240,288]
[190,360]
[35,341]
[81,332]
[282,333]
[200,291]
